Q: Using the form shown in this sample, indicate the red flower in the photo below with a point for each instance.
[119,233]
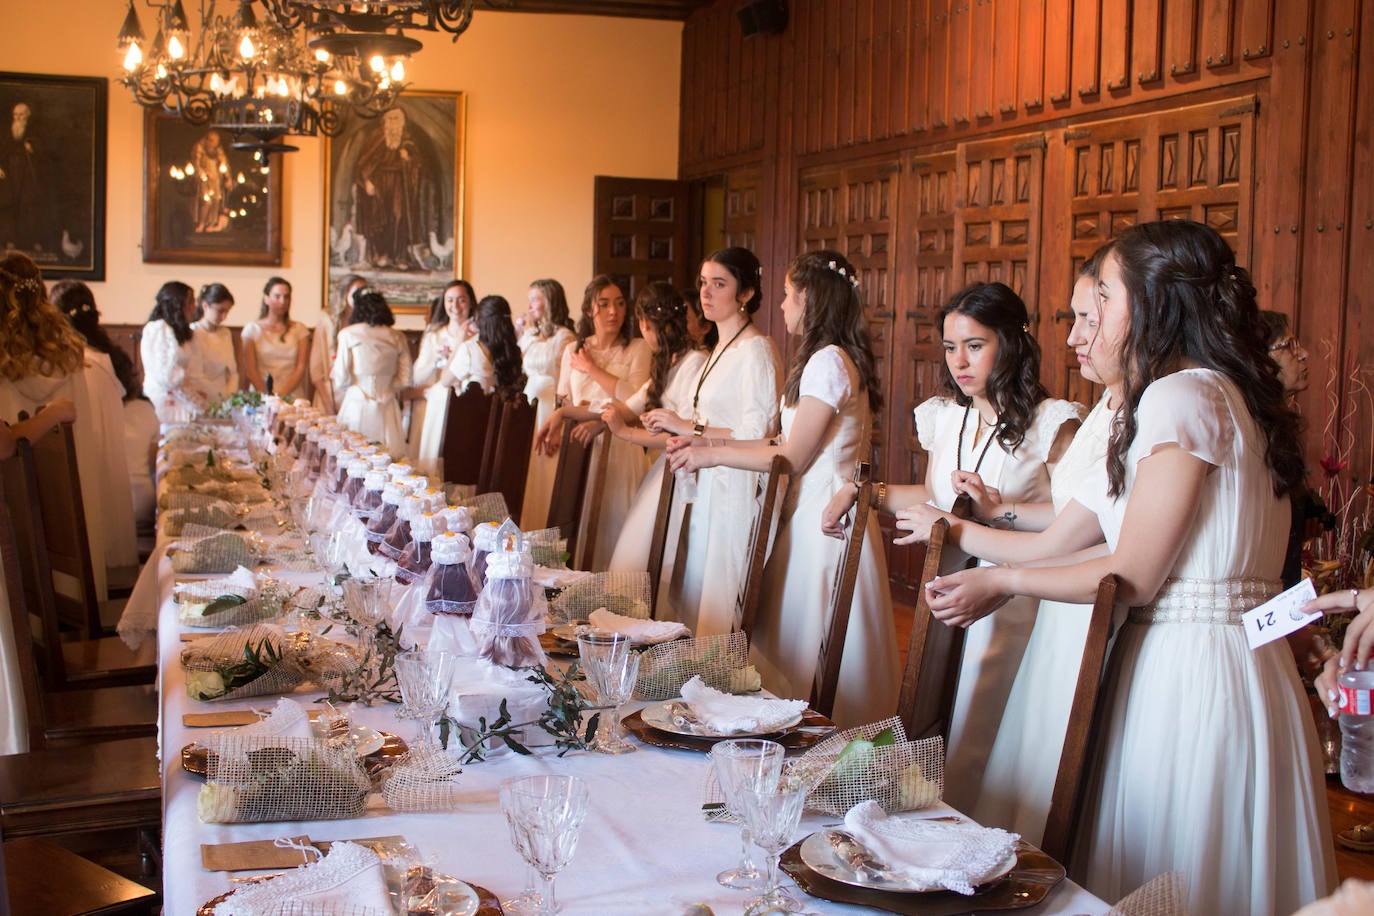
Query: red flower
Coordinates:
[1333,465]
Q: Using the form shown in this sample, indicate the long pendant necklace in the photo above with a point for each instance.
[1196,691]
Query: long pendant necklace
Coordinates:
[711,364]
[963,503]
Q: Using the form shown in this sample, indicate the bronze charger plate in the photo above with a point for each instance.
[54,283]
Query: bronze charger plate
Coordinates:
[488,904]
[1034,876]
[195,758]
[810,731]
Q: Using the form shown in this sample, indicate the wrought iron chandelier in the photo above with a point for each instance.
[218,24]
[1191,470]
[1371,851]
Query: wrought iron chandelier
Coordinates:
[295,69]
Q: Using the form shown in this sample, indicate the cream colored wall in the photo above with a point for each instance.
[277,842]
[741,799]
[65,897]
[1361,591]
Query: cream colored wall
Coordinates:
[552,101]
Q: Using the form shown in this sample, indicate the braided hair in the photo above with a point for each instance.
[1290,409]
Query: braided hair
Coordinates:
[661,306]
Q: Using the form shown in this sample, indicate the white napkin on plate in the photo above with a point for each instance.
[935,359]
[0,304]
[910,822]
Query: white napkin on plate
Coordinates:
[288,719]
[349,879]
[725,713]
[548,577]
[647,632]
[934,854]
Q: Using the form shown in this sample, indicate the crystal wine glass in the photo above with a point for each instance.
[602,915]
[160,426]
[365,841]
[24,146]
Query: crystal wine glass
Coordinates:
[545,814]
[612,666]
[367,600]
[773,815]
[529,900]
[740,764]
[425,680]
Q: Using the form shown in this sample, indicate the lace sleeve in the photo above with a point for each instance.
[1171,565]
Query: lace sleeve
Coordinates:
[1050,415]
[758,390]
[1188,409]
[826,378]
[927,415]
[636,369]
[159,350]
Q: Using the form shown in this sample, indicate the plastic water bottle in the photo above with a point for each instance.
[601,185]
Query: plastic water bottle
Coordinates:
[1356,690]
[686,484]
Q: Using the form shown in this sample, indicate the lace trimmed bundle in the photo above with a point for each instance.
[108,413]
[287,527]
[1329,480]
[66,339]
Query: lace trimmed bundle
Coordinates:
[398,536]
[509,618]
[623,593]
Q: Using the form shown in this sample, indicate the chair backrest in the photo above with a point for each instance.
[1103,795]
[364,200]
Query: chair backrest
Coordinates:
[58,483]
[569,489]
[827,681]
[465,434]
[510,458]
[1085,723]
[931,676]
[18,609]
[658,540]
[760,541]
[486,473]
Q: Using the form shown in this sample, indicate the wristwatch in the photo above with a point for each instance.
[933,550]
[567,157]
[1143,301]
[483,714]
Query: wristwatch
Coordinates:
[698,429]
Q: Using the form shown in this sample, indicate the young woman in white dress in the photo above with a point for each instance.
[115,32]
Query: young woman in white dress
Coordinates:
[333,318]
[734,397]
[372,368]
[605,363]
[275,345]
[449,358]
[545,332]
[828,403]
[662,316]
[1209,763]
[215,364]
[171,374]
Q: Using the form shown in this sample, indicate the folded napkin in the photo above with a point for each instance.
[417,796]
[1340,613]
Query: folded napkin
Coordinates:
[548,577]
[725,713]
[288,719]
[647,632]
[935,854]
[349,879]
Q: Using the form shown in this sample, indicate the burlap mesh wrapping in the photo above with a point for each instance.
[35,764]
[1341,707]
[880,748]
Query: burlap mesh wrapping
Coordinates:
[485,507]
[186,499]
[1163,895]
[210,550]
[903,776]
[720,661]
[216,514]
[263,519]
[287,550]
[548,547]
[260,778]
[425,780]
[624,593]
[251,662]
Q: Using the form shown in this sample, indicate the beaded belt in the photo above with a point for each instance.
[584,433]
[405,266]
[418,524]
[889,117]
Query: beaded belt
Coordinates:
[1215,601]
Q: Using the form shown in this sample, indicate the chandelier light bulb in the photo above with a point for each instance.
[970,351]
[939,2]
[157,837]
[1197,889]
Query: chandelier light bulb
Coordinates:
[377,63]
[398,71]
[133,57]
[175,49]
[322,55]
[161,72]
[340,88]
[246,49]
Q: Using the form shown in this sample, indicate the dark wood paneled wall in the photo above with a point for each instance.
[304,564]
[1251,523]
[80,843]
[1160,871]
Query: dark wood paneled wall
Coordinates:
[941,141]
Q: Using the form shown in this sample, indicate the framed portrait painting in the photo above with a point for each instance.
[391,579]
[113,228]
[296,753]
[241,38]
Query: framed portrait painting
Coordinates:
[394,192]
[205,202]
[52,172]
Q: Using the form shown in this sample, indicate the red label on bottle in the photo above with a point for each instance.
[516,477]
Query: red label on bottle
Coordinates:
[1356,701]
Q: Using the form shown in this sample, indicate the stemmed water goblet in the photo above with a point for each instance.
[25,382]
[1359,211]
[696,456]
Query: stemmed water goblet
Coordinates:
[367,599]
[745,764]
[612,666]
[545,814]
[773,814]
[425,680]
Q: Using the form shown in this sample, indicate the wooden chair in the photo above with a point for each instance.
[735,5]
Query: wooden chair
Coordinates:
[658,540]
[68,716]
[63,665]
[1085,725]
[760,542]
[510,454]
[569,488]
[113,785]
[42,877]
[465,440]
[931,676]
[827,681]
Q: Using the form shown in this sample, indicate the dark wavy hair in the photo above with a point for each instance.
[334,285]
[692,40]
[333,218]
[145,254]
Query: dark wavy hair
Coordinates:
[745,268]
[585,326]
[661,305]
[692,296]
[438,316]
[1190,303]
[75,300]
[370,308]
[834,314]
[1014,387]
[497,334]
[171,298]
[558,316]
[211,294]
[267,288]
[1273,326]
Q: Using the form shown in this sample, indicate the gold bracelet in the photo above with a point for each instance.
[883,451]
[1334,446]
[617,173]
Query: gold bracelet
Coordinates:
[879,495]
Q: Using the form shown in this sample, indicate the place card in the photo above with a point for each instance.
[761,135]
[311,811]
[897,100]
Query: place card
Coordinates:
[253,855]
[230,718]
[1280,615]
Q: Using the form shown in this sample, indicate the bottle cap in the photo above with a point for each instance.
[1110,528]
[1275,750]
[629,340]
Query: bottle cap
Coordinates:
[450,548]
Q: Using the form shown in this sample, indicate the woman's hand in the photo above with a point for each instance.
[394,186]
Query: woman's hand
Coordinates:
[550,435]
[1359,639]
[663,420]
[987,501]
[586,431]
[59,410]
[690,452]
[835,515]
[964,597]
[918,520]
[617,416]
[581,361]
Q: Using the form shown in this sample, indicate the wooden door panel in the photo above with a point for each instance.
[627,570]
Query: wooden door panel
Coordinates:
[640,231]
[742,208]
[997,221]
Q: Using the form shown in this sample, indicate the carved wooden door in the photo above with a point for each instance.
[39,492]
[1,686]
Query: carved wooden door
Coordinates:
[741,208]
[997,213]
[641,232]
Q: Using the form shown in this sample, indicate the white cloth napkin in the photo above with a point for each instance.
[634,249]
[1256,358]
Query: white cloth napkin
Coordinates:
[349,879]
[288,719]
[725,713]
[548,577]
[242,582]
[934,854]
[648,632]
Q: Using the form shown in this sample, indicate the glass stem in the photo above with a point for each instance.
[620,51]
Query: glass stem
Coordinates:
[548,906]
[773,881]
[615,726]
[746,854]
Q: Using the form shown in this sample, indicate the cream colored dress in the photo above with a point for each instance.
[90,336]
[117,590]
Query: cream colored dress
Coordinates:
[322,349]
[373,363]
[215,367]
[542,357]
[171,379]
[277,353]
[466,362]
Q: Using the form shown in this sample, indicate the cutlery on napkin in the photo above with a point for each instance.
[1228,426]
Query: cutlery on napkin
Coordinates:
[648,632]
[726,713]
[932,853]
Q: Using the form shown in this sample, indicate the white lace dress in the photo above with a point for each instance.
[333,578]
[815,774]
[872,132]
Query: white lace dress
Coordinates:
[741,393]
[632,548]
[169,374]
[1025,756]
[214,366]
[1209,763]
[467,362]
[794,613]
[373,363]
[618,477]
[277,354]
[992,646]
[542,357]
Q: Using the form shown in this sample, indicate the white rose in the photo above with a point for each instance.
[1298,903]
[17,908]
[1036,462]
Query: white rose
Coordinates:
[204,685]
[745,680]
